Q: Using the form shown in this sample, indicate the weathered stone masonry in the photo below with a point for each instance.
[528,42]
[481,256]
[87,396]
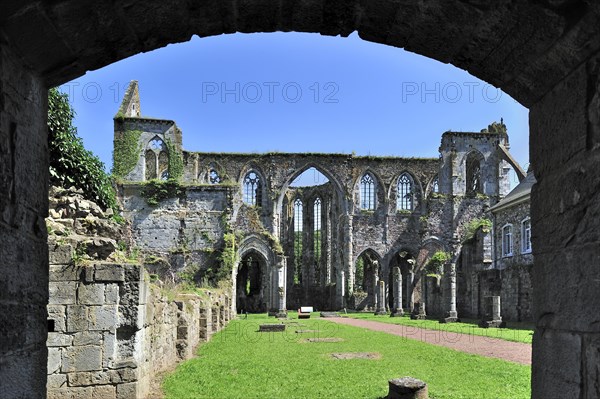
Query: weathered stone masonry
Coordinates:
[543,53]
[187,230]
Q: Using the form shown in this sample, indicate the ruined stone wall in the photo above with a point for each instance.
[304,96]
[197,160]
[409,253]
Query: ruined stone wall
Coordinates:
[113,331]
[23,249]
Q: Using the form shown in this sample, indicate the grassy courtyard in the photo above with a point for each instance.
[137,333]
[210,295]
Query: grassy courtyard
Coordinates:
[240,362]
[516,332]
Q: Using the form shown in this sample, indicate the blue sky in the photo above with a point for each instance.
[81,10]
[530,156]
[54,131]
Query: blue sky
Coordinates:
[296,92]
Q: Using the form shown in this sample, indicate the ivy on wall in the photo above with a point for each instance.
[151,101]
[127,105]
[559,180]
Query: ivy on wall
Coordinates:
[70,163]
[435,265]
[126,152]
[155,190]
[474,225]
[175,161]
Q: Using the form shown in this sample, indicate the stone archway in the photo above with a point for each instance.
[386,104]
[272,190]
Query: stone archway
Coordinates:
[543,53]
[251,283]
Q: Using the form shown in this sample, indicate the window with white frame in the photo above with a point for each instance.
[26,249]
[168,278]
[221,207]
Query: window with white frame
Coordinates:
[526,236]
[507,240]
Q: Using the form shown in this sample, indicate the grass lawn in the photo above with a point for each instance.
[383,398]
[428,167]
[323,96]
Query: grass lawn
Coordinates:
[517,332]
[239,362]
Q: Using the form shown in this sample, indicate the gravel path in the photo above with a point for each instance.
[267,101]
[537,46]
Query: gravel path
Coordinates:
[516,352]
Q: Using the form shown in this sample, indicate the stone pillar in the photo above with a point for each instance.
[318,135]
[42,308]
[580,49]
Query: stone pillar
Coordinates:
[450,294]
[23,237]
[349,255]
[328,239]
[381,308]
[410,277]
[375,285]
[419,312]
[397,311]
[492,316]
[281,289]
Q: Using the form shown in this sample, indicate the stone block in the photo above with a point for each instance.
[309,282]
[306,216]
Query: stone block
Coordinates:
[82,358]
[551,348]
[104,392]
[56,339]
[60,254]
[103,318]
[56,381]
[54,360]
[109,346]
[79,379]
[62,293]
[407,388]
[66,272]
[87,338]
[91,294]
[77,318]
[70,393]
[271,328]
[127,391]
[108,272]
[57,313]
[111,294]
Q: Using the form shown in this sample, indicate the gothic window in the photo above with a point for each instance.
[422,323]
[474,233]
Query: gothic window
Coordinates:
[317,229]
[367,192]
[157,160]
[473,171]
[435,185]
[298,224]
[252,189]
[405,193]
[526,236]
[213,177]
[507,243]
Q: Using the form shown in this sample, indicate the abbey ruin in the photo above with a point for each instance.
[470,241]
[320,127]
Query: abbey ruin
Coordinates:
[374,223]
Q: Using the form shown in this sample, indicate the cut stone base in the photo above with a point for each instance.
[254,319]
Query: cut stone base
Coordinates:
[330,314]
[281,315]
[449,320]
[271,328]
[381,313]
[492,324]
[407,388]
[397,313]
[418,316]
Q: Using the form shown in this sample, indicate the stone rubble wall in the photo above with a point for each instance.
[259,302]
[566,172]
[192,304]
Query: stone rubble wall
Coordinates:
[113,331]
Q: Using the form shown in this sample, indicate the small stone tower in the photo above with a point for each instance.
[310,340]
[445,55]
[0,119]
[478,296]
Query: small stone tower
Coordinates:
[476,164]
[144,148]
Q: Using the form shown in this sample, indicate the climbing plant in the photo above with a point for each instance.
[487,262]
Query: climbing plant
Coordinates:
[156,190]
[175,161]
[126,152]
[435,265]
[70,163]
[474,225]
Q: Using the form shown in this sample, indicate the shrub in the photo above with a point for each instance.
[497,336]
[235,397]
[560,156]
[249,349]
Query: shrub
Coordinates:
[70,163]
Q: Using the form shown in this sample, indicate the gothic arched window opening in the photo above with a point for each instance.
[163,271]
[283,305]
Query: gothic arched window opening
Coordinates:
[317,230]
[252,189]
[213,177]
[473,173]
[405,193]
[157,160]
[298,224]
[367,192]
[435,185]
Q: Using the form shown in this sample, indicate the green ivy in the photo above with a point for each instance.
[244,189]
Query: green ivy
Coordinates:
[155,190]
[435,265]
[474,225]
[126,152]
[175,161]
[70,163]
